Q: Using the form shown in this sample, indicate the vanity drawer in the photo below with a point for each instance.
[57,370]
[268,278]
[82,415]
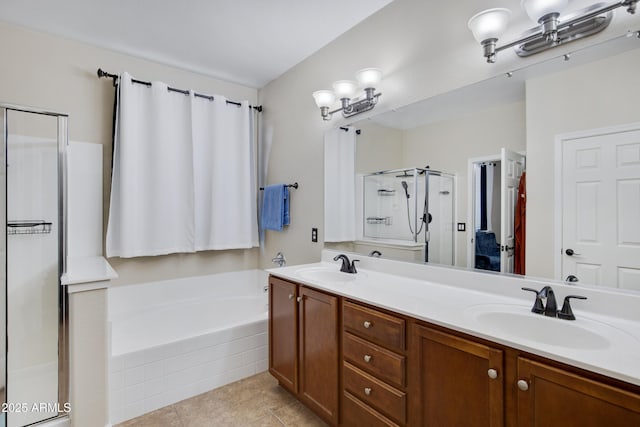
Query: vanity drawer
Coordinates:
[376,360]
[373,392]
[373,324]
[356,413]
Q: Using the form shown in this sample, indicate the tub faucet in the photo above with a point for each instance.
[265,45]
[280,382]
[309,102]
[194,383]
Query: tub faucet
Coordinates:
[347,266]
[279,259]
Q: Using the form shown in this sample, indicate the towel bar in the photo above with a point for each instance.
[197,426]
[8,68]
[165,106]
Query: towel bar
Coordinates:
[294,185]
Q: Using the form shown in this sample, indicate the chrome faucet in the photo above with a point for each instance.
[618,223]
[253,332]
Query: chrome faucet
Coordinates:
[347,266]
[279,259]
[550,309]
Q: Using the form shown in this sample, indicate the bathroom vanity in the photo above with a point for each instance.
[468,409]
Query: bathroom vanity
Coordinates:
[385,347]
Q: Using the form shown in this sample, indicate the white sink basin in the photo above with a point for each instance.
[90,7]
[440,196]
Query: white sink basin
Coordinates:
[328,275]
[518,321]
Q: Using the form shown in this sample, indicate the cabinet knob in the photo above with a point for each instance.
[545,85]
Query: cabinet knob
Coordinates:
[367,358]
[299,299]
[493,374]
[290,296]
[523,385]
[367,391]
[367,324]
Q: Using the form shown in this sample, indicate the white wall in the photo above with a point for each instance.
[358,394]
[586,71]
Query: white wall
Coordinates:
[59,74]
[596,95]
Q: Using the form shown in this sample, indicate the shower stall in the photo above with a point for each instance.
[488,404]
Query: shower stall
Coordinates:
[415,205]
[34,377]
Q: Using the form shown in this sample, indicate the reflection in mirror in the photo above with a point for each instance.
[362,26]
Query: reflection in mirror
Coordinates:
[411,209]
[525,111]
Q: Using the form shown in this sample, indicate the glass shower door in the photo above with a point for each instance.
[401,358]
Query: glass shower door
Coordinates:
[441,210]
[32,270]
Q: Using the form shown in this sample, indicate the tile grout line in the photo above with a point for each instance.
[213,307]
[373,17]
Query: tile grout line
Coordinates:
[277,418]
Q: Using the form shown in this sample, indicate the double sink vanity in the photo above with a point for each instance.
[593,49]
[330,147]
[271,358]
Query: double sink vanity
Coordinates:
[398,344]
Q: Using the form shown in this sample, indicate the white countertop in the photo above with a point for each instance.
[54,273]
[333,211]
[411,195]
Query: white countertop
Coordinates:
[452,298]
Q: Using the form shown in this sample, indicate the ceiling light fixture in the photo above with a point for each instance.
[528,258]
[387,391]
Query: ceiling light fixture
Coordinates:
[552,30]
[345,90]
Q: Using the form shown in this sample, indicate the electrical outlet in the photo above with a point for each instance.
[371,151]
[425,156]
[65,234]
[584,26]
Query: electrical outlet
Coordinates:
[314,234]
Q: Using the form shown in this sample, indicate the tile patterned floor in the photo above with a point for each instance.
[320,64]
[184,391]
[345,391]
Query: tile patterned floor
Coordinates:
[256,401]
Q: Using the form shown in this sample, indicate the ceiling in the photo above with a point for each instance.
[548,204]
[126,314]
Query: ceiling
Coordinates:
[249,42]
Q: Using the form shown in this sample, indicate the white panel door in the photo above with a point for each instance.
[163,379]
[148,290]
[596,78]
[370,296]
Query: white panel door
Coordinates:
[601,209]
[512,166]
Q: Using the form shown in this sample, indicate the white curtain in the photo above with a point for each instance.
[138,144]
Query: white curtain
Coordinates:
[183,175]
[339,185]
[152,204]
[225,181]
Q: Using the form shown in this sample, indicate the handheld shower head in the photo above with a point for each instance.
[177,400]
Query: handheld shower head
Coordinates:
[406,188]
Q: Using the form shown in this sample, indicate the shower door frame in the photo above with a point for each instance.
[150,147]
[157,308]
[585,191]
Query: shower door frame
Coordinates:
[63,299]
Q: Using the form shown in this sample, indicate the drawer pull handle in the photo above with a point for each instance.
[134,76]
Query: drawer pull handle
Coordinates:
[493,374]
[523,385]
[290,296]
[367,324]
[367,358]
[367,391]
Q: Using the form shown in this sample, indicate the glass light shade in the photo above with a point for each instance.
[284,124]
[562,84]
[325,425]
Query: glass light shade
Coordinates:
[324,98]
[344,88]
[536,9]
[369,77]
[489,24]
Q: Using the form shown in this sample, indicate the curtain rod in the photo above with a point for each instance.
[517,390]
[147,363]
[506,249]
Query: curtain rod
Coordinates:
[115,77]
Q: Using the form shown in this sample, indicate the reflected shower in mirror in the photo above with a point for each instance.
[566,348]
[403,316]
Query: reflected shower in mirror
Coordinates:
[526,112]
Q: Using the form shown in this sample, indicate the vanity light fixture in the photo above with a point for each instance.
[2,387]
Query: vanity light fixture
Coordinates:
[552,30]
[345,90]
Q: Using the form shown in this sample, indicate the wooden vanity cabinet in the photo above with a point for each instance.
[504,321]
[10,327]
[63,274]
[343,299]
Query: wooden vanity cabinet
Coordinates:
[395,371]
[463,381]
[304,345]
[457,381]
[549,395]
[374,369]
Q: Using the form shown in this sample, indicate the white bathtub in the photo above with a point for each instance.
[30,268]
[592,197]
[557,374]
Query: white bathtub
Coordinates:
[174,339]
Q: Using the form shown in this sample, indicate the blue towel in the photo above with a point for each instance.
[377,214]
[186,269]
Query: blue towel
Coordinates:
[275,207]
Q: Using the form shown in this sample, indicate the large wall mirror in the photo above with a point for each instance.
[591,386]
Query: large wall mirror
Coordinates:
[532,118]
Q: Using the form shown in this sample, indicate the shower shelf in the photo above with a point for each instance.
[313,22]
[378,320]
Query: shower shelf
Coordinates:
[383,192]
[28,227]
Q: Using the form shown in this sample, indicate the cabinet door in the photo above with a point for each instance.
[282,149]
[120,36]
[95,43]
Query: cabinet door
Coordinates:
[550,396]
[283,333]
[460,381]
[319,362]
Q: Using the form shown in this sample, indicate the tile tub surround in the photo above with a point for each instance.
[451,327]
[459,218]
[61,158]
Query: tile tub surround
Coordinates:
[176,360]
[442,296]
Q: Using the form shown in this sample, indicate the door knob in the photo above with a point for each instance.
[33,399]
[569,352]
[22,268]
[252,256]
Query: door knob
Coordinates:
[571,278]
[523,385]
[571,252]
